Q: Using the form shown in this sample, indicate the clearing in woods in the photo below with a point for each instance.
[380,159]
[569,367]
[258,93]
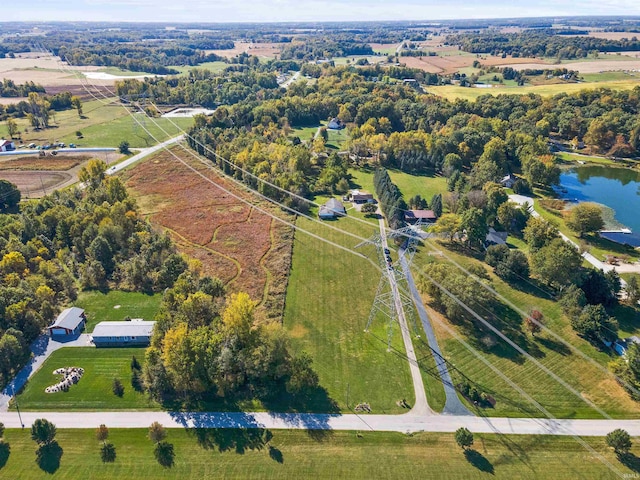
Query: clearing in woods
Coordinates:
[248,250]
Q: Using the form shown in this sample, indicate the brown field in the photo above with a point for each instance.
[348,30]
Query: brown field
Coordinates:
[594,66]
[451,60]
[268,50]
[35,184]
[614,35]
[49,163]
[245,248]
[11,100]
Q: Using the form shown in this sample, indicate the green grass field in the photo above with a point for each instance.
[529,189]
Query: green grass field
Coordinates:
[244,454]
[93,392]
[99,306]
[576,371]
[329,298]
[215,67]
[410,185]
[102,126]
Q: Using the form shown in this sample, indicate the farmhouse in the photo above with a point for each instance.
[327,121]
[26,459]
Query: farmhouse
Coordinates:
[7,145]
[361,197]
[121,334]
[335,124]
[70,322]
[422,216]
[495,238]
[508,181]
[332,209]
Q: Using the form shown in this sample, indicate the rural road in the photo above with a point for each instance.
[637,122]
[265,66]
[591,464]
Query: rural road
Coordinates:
[453,405]
[287,83]
[408,422]
[144,153]
[420,406]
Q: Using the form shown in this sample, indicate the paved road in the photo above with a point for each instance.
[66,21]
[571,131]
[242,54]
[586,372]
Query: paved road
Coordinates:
[408,422]
[420,406]
[41,349]
[453,405]
[144,153]
[287,83]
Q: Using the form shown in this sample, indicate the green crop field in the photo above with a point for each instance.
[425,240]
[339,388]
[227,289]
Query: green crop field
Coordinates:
[215,67]
[116,305]
[93,391]
[583,376]
[252,454]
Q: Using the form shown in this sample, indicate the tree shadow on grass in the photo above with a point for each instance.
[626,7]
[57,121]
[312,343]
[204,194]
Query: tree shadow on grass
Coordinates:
[238,439]
[5,451]
[557,347]
[479,461]
[630,461]
[275,454]
[48,457]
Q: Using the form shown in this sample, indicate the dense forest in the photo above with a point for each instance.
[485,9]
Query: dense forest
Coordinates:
[539,43]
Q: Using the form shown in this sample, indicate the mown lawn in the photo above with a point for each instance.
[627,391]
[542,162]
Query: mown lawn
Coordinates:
[125,128]
[585,377]
[101,126]
[93,391]
[100,307]
[329,298]
[410,185]
[295,455]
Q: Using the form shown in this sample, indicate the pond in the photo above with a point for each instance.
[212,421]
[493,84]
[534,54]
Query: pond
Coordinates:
[616,188]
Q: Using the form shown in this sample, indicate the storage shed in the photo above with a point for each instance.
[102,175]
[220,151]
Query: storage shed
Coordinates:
[70,322]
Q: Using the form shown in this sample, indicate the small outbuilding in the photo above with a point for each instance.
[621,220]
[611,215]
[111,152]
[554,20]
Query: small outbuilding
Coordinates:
[134,333]
[422,216]
[70,322]
[332,209]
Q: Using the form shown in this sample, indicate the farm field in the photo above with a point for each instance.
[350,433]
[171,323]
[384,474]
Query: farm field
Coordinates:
[573,369]
[209,453]
[453,92]
[37,184]
[116,305]
[93,391]
[243,247]
[60,162]
[268,50]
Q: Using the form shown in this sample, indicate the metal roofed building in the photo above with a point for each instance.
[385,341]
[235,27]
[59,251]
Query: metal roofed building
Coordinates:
[332,209]
[70,322]
[121,334]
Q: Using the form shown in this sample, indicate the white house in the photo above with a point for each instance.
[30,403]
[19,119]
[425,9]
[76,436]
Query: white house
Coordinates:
[70,322]
[332,209]
[136,332]
[7,145]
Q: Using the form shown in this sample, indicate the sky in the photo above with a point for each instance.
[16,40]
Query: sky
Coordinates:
[302,10]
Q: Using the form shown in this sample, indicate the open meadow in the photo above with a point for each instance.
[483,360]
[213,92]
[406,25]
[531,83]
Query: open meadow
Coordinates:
[247,249]
[259,453]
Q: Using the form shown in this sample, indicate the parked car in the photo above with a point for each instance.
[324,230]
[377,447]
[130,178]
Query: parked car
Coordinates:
[46,147]
[32,145]
[387,251]
[72,145]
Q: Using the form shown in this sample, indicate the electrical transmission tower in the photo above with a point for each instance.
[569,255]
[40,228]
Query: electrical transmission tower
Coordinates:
[392,299]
